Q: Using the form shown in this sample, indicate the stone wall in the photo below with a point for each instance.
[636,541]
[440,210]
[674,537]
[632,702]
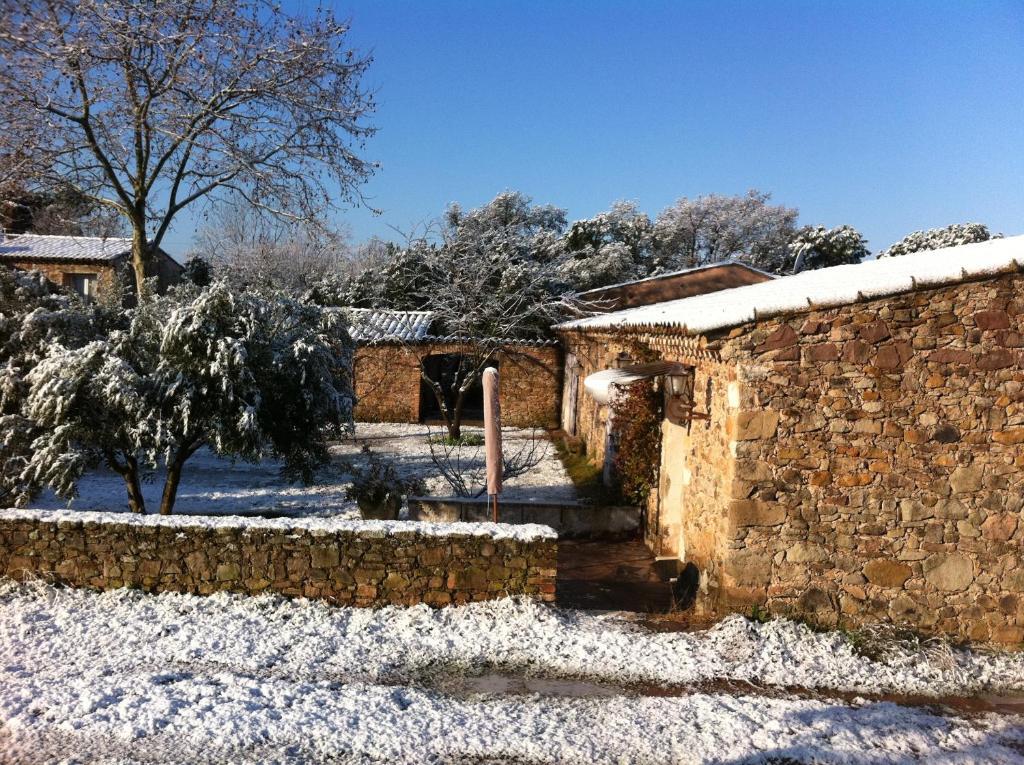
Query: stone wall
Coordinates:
[388,385]
[348,563]
[862,463]
[879,462]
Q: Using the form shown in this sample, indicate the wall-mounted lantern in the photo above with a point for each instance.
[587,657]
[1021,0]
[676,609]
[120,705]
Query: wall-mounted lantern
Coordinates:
[679,401]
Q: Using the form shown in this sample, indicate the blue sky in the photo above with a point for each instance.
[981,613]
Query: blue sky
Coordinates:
[888,116]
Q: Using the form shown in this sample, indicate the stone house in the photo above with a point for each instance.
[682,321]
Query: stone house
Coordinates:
[845,443]
[393,346]
[87,265]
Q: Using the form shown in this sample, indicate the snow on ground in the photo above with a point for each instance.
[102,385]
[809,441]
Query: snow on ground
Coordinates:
[125,676]
[548,481]
[215,486]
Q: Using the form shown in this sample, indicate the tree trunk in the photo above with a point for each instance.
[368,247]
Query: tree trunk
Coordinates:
[460,400]
[453,428]
[136,502]
[140,255]
[129,472]
[173,479]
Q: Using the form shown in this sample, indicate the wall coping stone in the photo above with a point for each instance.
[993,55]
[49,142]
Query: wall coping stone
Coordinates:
[498,531]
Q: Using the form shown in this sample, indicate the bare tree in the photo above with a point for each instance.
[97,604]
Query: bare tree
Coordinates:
[463,465]
[250,248]
[149,107]
[486,304]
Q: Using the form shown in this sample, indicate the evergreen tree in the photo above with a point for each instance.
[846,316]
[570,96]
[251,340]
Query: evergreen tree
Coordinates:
[246,374]
[819,247]
[937,238]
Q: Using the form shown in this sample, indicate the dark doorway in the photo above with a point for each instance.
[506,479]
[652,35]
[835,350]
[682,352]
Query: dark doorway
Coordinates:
[449,368]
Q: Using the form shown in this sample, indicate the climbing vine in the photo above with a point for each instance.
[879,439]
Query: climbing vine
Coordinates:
[638,415]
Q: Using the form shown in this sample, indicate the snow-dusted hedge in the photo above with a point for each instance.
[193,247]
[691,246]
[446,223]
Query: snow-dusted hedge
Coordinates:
[363,563]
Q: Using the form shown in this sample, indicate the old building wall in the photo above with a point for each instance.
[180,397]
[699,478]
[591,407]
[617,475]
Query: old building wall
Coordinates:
[879,463]
[697,468]
[862,463]
[112,276]
[683,515]
[106,272]
[387,381]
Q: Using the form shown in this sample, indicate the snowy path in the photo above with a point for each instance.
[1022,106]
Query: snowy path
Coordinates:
[124,676]
[215,486]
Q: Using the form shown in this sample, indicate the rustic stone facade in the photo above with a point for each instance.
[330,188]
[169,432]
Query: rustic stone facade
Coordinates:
[359,566]
[861,463]
[388,383]
[106,273]
[113,275]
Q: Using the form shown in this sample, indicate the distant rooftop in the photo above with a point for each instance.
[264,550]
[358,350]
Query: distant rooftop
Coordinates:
[674,285]
[824,287]
[681,272]
[48,247]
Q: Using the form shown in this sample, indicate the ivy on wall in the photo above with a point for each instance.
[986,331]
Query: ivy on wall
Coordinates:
[638,416]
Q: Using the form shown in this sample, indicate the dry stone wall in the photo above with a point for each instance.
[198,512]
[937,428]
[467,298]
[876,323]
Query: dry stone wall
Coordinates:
[370,564]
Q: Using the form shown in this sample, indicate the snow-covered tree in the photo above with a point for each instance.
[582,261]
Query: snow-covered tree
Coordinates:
[394,282]
[247,374]
[490,275]
[708,229]
[937,238]
[819,247]
[34,316]
[613,246]
[147,108]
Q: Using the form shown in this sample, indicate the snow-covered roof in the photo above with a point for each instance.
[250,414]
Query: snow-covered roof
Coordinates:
[372,325]
[48,247]
[838,285]
[680,272]
[369,326]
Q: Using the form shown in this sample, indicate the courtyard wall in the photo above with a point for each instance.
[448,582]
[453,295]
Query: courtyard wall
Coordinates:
[387,382]
[348,563]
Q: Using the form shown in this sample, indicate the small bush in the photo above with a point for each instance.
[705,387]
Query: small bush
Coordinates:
[466,439]
[378,483]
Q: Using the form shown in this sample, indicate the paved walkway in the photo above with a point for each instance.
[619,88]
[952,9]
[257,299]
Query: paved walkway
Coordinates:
[610,576]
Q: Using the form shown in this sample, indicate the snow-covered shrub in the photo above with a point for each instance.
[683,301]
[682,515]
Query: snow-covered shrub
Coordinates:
[937,238]
[819,247]
[378,488]
[247,374]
